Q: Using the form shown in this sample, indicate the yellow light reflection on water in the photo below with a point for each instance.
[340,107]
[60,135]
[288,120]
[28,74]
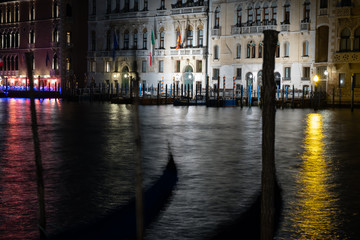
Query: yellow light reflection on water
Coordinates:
[315,213]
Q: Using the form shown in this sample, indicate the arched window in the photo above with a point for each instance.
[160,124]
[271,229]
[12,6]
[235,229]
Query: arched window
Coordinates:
[135,40]
[126,39]
[306,11]
[68,64]
[260,50]
[238,16]
[189,37]
[55,37]
[17,13]
[55,10]
[286,49]
[305,49]
[8,15]
[357,39]
[16,63]
[216,52]
[238,51]
[248,50]
[345,40]
[162,38]
[253,49]
[277,50]
[32,12]
[258,14]
[55,64]
[200,36]
[31,37]
[145,39]
[12,64]
[217,18]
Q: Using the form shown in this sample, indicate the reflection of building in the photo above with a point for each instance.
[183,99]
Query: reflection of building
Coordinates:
[41,27]
[315,37]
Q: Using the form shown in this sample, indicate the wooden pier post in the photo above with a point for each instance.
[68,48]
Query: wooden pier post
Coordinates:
[218,92]
[268,137]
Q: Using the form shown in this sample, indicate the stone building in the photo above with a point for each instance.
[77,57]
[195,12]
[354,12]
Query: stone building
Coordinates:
[54,31]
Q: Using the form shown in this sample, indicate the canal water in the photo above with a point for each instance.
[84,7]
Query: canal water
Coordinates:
[87,152]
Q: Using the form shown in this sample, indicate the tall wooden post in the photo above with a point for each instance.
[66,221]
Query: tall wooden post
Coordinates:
[38,161]
[218,92]
[268,137]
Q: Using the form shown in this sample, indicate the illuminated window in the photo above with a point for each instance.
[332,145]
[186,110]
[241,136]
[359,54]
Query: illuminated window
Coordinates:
[107,66]
[55,10]
[341,80]
[55,37]
[68,64]
[32,37]
[68,38]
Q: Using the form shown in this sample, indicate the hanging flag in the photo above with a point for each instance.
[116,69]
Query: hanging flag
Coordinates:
[152,46]
[1,62]
[116,46]
[178,41]
[47,58]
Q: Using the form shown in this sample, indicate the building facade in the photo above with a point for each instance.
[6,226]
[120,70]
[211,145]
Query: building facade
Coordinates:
[43,27]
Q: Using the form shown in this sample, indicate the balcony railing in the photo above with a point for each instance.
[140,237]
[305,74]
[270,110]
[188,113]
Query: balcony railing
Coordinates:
[257,29]
[285,27]
[343,11]
[235,29]
[323,11]
[304,26]
[346,57]
[188,51]
[215,32]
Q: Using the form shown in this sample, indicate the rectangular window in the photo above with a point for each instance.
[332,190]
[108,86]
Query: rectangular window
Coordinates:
[143,66]
[135,40]
[216,73]
[238,73]
[145,40]
[177,66]
[199,66]
[161,66]
[306,73]
[32,12]
[200,38]
[287,73]
[341,80]
[126,40]
[162,40]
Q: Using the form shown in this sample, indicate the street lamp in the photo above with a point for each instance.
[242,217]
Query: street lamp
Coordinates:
[316,80]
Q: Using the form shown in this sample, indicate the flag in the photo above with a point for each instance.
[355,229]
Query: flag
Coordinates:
[178,41]
[1,62]
[47,58]
[152,46]
[116,45]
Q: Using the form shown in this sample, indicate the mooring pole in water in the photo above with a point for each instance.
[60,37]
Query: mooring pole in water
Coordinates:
[138,168]
[218,91]
[268,137]
[38,161]
[352,92]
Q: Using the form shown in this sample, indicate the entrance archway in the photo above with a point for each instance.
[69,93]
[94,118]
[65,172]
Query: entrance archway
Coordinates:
[249,79]
[125,77]
[188,76]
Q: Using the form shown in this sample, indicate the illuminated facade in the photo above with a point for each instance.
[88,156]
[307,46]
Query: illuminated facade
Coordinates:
[43,27]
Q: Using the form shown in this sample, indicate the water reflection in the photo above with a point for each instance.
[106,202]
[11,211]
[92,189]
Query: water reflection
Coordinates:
[316,211]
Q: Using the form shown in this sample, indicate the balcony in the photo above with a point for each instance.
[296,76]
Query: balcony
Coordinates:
[323,11]
[257,29]
[342,12]
[235,29]
[189,10]
[188,51]
[346,57]
[215,32]
[304,26]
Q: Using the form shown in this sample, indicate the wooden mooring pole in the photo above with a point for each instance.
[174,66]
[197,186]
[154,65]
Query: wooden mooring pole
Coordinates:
[268,137]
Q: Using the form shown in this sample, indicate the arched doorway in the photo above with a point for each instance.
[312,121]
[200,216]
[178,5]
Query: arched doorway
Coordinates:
[188,76]
[125,77]
[259,78]
[277,77]
[249,79]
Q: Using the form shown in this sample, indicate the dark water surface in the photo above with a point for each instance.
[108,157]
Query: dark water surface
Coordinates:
[87,151]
